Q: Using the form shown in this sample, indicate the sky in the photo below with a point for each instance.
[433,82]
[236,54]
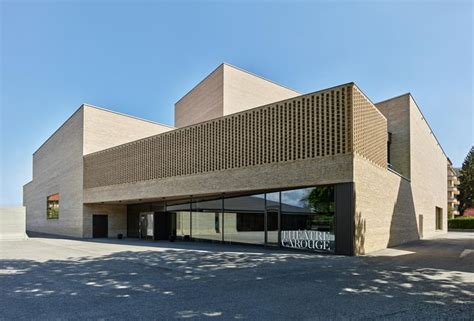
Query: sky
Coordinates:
[140,57]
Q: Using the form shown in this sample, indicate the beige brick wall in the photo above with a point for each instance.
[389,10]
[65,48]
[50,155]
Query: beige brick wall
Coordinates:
[389,207]
[331,136]
[428,172]
[203,102]
[398,117]
[385,213]
[225,91]
[243,90]
[309,172]
[57,168]
[117,218]
[104,129]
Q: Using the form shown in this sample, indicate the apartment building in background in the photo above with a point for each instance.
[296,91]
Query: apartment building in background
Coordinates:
[453,191]
[249,161]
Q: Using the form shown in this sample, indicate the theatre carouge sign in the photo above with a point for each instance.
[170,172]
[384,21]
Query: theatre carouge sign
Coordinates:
[307,239]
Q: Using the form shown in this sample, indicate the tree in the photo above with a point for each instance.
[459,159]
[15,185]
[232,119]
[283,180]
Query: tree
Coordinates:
[466,179]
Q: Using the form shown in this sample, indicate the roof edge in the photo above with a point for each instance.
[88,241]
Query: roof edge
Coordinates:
[367,97]
[409,94]
[200,82]
[427,123]
[57,130]
[239,69]
[261,77]
[127,115]
[393,98]
[83,105]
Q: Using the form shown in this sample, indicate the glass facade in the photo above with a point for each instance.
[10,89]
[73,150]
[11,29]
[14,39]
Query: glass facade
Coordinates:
[206,220]
[272,205]
[307,218]
[181,227]
[244,219]
[300,218]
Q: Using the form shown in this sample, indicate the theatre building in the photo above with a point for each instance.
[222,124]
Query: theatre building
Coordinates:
[249,161]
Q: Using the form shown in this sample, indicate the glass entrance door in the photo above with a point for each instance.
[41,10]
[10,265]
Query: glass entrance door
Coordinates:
[146,226]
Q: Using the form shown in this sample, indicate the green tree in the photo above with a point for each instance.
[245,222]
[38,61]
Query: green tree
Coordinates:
[466,179]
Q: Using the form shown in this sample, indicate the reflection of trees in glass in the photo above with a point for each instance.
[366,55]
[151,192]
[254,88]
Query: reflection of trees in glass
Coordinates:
[52,204]
[321,199]
[53,211]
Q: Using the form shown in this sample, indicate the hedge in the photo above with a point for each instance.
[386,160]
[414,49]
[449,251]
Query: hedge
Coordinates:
[466,222]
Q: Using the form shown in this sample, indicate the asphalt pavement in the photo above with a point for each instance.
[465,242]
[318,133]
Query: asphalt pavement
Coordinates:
[65,279]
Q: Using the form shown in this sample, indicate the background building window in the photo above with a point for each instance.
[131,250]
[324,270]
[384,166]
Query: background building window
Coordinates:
[247,222]
[52,207]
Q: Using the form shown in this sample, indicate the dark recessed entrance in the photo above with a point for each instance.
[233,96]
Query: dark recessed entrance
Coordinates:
[100,226]
[154,225]
[163,226]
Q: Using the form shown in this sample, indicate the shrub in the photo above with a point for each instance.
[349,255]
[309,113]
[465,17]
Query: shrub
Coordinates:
[466,222]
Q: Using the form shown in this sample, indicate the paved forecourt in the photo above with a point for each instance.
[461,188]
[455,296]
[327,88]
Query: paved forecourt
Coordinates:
[46,278]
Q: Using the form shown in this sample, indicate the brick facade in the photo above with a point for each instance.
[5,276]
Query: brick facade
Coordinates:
[100,161]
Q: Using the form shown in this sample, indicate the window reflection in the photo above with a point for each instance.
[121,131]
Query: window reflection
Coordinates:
[244,219]
[288,215]
[206,220]
[272,206]
[181,219]
[52,207]
[305,210]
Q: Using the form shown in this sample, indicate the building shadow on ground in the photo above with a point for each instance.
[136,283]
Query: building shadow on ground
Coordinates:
[202,282]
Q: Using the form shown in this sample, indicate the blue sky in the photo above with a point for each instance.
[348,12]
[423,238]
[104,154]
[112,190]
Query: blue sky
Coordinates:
[140,57]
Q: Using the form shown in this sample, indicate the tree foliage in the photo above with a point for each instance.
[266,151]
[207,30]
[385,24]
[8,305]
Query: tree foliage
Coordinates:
[466,179]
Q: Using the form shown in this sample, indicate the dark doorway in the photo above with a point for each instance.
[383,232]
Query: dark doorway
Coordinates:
[439,218]
[162,226]
[100,226]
